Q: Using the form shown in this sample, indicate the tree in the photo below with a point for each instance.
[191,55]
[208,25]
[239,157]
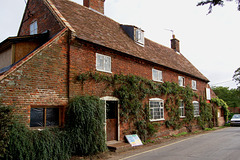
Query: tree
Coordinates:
[230,96]
[212,3]
[236,76]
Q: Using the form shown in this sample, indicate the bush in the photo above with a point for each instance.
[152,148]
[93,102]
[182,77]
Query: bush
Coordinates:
[5,124]
[85,125]
[83,135]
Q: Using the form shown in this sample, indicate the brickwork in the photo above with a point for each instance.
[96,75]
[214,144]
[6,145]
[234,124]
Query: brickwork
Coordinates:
[38,11]
[40,80]
[97,5]
[83,59]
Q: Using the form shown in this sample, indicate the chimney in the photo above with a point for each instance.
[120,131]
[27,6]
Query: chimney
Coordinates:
[175,44]
[97,5]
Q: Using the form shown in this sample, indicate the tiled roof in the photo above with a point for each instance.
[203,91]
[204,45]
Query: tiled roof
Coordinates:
[97,28]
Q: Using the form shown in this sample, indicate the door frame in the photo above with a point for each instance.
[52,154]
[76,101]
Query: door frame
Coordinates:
[111,98]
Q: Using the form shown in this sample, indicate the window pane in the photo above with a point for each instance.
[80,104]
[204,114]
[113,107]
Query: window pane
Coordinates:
[37,117]
[100,62]
[52,117]
[107,63]
[155,74]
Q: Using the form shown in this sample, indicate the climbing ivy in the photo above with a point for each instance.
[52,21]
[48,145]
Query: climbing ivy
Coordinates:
[133,91]
[220,103]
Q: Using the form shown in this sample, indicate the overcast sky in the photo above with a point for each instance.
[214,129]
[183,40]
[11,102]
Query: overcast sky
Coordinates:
[210,42]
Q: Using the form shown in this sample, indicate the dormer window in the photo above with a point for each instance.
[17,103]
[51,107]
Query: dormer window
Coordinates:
[139,36]
[33,28]
[135,33]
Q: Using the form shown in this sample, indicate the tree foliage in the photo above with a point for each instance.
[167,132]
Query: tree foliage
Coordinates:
[230,96]
[213,3]
[236,76]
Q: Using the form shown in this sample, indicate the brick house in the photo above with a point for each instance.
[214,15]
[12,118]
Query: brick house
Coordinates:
[58,39]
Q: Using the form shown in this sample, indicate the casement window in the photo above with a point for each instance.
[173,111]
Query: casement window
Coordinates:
[33,28]
[45,116]
[181,81]
[103,63]
[139,36]
[194,84]
[182,109]
[157,75]
[156,106]
[208,94]
[196,108]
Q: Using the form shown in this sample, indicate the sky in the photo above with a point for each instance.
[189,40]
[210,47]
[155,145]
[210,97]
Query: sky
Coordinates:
[209,41]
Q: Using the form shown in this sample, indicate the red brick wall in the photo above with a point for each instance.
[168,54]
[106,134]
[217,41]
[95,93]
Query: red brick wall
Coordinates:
[41,80]
[97,5]
[83,59]
[38,11]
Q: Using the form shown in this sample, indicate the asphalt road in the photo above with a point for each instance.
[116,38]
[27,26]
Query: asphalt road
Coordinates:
[223,144]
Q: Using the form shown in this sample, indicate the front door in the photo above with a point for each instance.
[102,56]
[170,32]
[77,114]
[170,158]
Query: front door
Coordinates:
[112,120]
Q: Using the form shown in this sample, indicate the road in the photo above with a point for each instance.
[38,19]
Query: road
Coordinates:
[223,144]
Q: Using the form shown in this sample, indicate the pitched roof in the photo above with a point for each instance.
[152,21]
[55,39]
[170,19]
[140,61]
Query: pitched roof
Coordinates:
[99,29]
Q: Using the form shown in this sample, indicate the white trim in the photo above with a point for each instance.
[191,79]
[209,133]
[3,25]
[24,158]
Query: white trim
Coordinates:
[194,87]
[159,75]
[197,115]
[111,98]
[157,100]
[104,59]
[182,80]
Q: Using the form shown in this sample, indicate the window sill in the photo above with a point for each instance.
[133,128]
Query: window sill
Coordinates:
[154,120]
[196,115]
[182,116]
[194,89]
[104,71]
[157,81]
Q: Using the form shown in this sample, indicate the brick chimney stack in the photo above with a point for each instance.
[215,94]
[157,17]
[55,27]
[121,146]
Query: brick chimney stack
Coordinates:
[97,5]
[175,44]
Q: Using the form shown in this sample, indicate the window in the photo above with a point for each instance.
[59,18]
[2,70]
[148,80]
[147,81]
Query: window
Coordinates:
[196,108]
[157,75]
[181,81]
[33,28]
[156,109]
[103,63]
[208,93]
[139,36]
[194,84]
[44,116]
[182,109]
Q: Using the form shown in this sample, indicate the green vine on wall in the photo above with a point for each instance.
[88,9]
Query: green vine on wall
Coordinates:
[220,103]
[133,91]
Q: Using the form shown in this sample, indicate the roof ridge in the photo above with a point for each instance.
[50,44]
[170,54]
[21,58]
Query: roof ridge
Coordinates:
[58,14]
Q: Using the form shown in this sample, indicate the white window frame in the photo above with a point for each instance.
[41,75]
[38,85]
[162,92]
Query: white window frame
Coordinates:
[103,63]
[33,28]
[194,84]
[139,36]
[182,109]
[157,78]
[196,112]
[181,81]
[160,107]
[208,94]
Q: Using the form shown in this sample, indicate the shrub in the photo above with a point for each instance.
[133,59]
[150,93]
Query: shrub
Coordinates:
[85,125]
[5,123]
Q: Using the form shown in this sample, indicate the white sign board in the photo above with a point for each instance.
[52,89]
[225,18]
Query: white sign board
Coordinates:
[134,140]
